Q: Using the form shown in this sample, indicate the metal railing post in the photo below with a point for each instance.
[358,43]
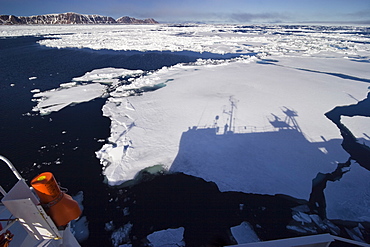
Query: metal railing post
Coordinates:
[11,166]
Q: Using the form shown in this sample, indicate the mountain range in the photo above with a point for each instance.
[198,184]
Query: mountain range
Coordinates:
[70,18]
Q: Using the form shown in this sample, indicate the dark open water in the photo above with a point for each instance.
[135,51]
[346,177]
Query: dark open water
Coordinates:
[65,143]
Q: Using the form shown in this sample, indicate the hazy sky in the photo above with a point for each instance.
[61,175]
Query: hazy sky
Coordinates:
[219,11]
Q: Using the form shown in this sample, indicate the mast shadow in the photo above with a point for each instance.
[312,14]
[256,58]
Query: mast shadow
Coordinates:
[279,160]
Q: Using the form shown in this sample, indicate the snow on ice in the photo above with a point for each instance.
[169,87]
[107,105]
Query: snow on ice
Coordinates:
[219,39]
[80,227]
[55,100]
[82,89]
[260,155]
[107,75]
[244,233]
[253,124]
[168,237]
[121,234]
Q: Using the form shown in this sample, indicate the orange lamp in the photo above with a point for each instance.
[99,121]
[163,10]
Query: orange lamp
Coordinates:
[59,206]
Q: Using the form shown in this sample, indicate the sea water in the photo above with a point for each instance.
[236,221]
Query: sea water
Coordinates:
[65,142]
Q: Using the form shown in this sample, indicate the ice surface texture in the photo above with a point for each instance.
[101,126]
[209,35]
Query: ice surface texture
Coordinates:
[275,138]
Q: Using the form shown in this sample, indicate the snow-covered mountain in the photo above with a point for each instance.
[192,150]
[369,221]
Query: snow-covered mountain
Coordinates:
[131,20]
[70,18]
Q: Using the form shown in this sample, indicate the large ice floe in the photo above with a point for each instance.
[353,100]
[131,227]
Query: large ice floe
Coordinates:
[246,126]
[254,123]
[168,237]
[90,86]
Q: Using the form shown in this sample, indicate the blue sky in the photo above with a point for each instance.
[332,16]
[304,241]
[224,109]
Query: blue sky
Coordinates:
[219,11]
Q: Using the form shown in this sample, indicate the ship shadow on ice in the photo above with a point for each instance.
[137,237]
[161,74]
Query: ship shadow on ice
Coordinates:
[193,195]
[256,159]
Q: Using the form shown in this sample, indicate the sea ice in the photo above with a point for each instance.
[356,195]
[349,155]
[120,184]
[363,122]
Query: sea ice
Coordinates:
[167,238]
[107,75]
[72,92]
[244,233]
[270,144]
[121,234]
[80,227]
[251,124]
[55,100]
[220,39]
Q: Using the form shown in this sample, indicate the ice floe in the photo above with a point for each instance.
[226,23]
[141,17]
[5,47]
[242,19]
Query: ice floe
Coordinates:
[272,145]
[55,100]
[253,124]
[244,233]
[168,237]
[90,86]
[220,39]
[80,227]
[121,235]
[107,75]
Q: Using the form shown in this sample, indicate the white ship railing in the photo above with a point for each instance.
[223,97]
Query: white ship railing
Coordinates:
[25,207]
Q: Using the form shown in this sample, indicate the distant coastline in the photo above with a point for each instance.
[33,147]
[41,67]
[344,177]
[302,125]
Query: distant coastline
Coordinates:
[70,18]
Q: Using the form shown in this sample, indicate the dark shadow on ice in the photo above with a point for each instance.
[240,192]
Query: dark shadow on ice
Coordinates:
[281,148]
[278,123]
[289,121]
[339,75]
[228,127]
[175,199]
[368,137]
[360,59]
[350,95]
[342,76]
